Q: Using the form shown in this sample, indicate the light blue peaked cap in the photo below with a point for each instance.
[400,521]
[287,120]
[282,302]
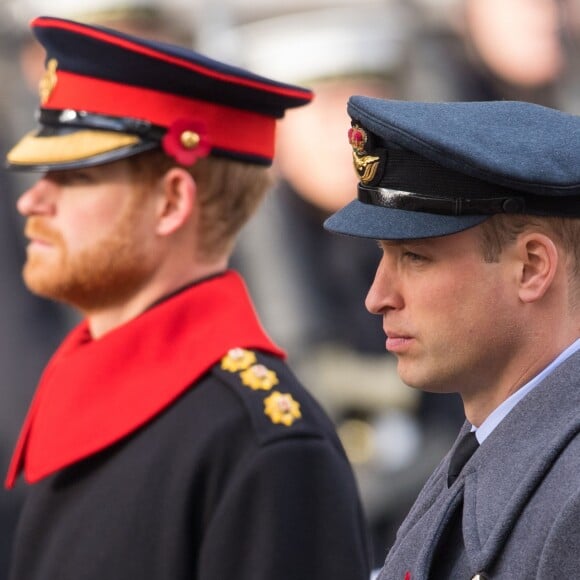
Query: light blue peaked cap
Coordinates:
[446,167]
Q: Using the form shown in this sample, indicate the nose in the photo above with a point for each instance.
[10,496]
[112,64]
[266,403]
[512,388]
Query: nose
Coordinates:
[39,199]
[384,294]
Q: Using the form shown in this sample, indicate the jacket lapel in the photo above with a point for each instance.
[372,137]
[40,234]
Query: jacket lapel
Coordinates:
[510,464]
[95,393]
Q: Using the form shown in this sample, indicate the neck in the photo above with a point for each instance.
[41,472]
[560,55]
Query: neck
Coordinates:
[535,357]
[105,319]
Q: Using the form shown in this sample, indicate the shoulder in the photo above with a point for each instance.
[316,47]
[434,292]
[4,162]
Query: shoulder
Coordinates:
[275,402]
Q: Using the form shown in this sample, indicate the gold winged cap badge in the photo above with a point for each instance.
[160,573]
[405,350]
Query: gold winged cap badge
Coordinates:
[365,165]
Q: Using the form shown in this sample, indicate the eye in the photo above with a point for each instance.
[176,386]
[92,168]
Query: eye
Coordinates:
[414,257]
[72,177]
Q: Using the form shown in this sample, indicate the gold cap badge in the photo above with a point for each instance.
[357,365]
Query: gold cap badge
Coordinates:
[48,81]
[238,359]
[365,165]
[282,408]
[259,378]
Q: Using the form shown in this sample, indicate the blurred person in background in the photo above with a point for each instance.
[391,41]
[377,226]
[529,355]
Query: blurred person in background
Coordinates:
[479,50]
[393,436]
[167,437]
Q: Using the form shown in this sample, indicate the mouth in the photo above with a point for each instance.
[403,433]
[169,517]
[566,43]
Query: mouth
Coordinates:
[398,343]
[38,243]
[39,235]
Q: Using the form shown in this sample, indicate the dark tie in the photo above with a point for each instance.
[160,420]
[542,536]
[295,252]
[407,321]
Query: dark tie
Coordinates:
[464,450]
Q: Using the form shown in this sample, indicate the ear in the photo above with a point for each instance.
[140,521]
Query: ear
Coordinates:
[176,202]
[539,260]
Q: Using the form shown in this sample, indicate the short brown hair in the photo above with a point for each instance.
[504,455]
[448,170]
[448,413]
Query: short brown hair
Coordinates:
[502,229]
[228,193]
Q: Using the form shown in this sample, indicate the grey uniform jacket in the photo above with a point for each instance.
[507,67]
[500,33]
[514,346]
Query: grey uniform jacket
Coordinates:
[520,495]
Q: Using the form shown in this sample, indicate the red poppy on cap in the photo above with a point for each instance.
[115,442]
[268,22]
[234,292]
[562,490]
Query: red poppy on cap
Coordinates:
[186,141]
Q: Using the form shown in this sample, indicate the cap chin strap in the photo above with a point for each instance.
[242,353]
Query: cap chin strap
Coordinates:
[565,206]
[71,119]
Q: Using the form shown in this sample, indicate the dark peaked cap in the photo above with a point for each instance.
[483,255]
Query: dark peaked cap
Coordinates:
[433,169]
[107,95]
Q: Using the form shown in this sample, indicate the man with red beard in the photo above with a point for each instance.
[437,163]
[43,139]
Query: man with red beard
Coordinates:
[167,438]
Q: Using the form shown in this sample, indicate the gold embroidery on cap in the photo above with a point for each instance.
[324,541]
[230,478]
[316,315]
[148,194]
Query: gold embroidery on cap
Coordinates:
[238,359]
[282,408]
[48,81]
[365,165]
[69,147]
[259,378]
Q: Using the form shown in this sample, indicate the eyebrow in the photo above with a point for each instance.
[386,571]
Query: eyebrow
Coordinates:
[399,243]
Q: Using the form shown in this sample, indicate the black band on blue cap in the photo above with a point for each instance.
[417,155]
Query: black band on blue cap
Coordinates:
[396,199]
[412,182]
[406,170]
[457,206]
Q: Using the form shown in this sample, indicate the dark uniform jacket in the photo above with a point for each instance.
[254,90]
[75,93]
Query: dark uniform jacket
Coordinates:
[236,474]
[514,511]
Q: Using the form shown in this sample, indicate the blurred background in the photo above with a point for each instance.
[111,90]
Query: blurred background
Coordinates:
[309,286]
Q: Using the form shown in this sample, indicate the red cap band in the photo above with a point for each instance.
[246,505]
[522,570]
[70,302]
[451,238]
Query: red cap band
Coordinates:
[251,132]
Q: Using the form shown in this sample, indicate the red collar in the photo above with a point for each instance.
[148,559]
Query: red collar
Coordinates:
[94,393]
